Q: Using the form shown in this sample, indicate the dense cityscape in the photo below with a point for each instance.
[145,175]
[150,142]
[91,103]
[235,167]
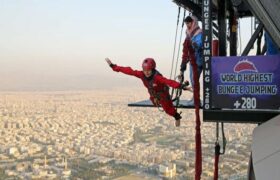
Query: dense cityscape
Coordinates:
[95,135]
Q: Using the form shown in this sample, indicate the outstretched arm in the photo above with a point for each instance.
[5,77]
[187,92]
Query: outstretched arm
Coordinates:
[173,83]
[125,70]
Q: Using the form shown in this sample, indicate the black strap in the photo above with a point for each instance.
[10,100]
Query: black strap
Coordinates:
[151,90]
[223,137]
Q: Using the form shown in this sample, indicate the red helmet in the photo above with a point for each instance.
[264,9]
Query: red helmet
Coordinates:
[149,64]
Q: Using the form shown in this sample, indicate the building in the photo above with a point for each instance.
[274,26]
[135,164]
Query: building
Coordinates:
[167,171]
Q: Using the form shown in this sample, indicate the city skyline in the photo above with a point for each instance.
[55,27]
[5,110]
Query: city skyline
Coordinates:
[92,128]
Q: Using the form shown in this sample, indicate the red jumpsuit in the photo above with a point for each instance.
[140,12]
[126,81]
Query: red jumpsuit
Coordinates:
[157,86]
[188,54]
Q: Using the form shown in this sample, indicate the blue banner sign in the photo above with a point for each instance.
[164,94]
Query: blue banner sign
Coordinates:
[246,82]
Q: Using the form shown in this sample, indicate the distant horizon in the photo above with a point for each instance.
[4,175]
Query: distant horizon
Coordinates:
[68,83]
[62,44]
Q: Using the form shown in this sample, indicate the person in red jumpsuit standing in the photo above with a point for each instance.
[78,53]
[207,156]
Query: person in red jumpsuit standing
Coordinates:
[156,84]
[192,50]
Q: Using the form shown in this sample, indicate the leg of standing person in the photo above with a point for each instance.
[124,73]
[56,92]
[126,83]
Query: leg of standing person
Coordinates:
[191,76]
[199,71]
[191,101]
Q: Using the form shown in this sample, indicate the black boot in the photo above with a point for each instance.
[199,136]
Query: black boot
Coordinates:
[177,117]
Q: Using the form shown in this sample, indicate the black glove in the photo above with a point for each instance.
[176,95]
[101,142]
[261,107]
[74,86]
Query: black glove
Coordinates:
[185,85]
[112,65]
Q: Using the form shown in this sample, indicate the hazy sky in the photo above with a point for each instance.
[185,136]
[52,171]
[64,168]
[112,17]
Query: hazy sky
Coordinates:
[51,43]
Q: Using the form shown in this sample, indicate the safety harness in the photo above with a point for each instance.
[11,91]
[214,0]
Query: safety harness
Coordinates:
[157,95]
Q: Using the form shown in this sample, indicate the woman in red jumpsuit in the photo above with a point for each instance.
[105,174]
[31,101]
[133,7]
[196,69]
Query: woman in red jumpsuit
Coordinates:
[156,84]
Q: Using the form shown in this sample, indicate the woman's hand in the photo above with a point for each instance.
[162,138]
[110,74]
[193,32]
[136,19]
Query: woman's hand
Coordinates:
[185,86]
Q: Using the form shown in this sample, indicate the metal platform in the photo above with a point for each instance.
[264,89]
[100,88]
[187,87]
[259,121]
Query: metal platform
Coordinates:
[238,116]
[186,104]
[267,12]
[196,7]
[221,115]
